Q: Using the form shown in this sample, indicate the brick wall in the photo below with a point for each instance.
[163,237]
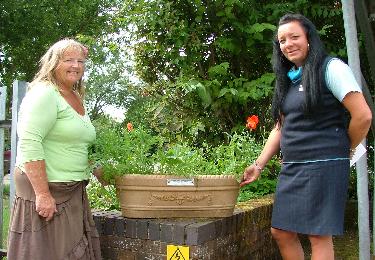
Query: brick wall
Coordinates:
[244,235]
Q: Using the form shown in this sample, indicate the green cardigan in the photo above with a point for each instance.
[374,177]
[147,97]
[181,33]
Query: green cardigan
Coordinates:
[50,129]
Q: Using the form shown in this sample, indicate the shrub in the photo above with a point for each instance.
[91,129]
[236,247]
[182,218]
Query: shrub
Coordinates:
[130,150]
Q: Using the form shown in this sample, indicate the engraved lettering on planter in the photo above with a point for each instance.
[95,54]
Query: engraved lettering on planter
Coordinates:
[179,198]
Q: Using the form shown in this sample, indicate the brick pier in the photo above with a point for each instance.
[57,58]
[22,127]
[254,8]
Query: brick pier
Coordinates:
[245,235]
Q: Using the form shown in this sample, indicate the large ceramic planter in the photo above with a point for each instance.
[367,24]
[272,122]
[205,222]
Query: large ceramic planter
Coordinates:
[162,196]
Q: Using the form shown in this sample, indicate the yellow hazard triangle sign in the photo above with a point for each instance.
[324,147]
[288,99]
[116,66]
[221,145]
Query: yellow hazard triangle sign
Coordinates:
[177,252]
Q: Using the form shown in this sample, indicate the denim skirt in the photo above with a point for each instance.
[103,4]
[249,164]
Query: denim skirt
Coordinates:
[310,198]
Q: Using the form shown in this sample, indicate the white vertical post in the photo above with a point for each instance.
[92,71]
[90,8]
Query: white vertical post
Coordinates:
[361,165]
[19,91]
[3,96]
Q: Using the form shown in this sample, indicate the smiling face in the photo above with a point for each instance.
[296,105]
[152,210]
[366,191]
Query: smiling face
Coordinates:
[70,68]
[293,42]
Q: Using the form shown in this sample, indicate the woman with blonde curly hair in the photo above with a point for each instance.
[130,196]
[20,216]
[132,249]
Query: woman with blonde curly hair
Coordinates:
[51,218]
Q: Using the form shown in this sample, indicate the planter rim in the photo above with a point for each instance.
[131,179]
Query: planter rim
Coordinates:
[151,179]
[167,176]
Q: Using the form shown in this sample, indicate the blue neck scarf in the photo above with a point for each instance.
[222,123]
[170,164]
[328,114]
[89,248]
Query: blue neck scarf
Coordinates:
[294,74]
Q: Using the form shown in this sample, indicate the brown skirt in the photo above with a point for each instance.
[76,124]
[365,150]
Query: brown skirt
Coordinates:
[70,235]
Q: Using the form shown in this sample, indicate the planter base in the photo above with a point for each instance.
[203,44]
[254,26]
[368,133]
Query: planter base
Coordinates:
[162,196]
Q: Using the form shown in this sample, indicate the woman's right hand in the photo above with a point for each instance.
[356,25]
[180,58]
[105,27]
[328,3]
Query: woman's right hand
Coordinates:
[45,205]
[98,173]
[250,174]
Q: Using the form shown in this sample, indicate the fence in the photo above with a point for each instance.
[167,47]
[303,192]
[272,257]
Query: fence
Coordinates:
[19,90]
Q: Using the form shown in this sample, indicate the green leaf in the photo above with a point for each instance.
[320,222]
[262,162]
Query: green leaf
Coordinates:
[224,91]
[260,27]
[221,69]
[158,110]
[323,31]
[204,95]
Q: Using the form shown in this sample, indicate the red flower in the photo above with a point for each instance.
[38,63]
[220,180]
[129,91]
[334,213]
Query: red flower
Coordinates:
[129,126]
[251,122]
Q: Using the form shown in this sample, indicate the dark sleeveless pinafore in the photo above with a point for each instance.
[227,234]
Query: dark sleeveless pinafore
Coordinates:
[312,187]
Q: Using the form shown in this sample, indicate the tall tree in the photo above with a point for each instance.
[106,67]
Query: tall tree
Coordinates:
[208,62]
[109,84]
[29,27]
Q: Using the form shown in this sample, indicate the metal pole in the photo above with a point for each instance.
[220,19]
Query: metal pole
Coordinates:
[361,165]
[362,15]
[370,102]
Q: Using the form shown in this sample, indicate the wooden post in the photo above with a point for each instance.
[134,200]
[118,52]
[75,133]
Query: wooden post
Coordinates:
[19,91]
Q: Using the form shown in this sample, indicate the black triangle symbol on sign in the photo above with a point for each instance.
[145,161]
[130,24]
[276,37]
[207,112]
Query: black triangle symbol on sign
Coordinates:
[177,255]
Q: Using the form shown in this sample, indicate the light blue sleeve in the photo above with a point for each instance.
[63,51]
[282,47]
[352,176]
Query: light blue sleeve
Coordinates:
[340,79]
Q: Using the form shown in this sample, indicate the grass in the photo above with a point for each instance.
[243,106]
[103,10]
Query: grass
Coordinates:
[6,215]
[346,247]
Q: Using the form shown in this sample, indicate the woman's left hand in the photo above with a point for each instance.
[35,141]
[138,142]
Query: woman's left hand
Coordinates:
[251,173]
[45,205]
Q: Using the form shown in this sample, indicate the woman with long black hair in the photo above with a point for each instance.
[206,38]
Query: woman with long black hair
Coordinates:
[316,138]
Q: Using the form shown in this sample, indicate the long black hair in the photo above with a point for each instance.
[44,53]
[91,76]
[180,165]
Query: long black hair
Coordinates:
[312,74]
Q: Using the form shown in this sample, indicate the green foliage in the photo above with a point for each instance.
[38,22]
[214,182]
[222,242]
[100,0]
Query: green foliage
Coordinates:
[207,64]
[176,122]
[29,27]
[107,84]
[266,184]
[203,67]
[6,189]
[6,218]
[138,151]
[181,159]
[240,152]
[102,197]
[121,151]
[193,57]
